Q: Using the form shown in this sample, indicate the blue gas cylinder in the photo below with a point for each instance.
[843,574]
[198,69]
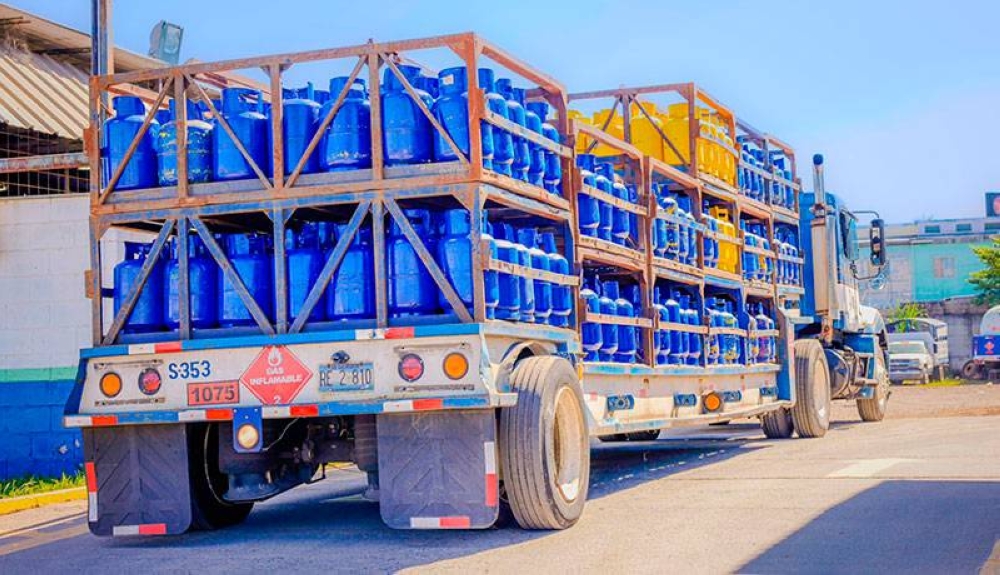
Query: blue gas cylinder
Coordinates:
[241,110]
[591,333]
[661,337]
[589,207]
[117,136]
[351,294]
[406,130]
[516,114]
[753,342]
[607,211]
[527,285]
[609,331]
[455,255]
[536,153]
[509,307]
[163,116]
[712,348]
[562,295]
[411,289]
[305,261]
[498,141]
[626,333]
[539,261]
[620,221]
[428,84]
[730,350]
[147,313]
[347,143]
[491,279]
[678,339]
[552,175]
[203,274]
[672,229]
[300,120]
[247,254]
[693,318]
[199,148]
[452,111]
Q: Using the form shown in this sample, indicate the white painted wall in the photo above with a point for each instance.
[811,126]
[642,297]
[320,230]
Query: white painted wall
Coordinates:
[44,316]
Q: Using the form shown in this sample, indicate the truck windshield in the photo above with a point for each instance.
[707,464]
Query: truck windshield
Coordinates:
[907,347]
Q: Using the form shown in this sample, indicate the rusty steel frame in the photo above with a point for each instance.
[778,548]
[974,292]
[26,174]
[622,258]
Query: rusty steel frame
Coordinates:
[188,208]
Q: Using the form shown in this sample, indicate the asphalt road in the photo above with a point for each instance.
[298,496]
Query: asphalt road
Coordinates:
[913,494]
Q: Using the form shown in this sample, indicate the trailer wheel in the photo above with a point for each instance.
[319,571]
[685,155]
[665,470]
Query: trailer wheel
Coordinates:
[208,509]
[873,409]
[811,412]
[777,424]
[545,449]
[971,370]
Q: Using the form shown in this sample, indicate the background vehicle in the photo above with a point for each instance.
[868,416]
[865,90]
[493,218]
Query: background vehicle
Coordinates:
[934,334]
[466,406]
[985,347]
[909,360]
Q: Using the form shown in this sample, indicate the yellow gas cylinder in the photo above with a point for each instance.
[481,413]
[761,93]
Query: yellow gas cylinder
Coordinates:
[615,128]
[728,252]
[645,133]
[729,164]
[676,128]
[581,142]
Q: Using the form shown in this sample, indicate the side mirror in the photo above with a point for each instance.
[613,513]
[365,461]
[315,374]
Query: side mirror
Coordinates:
[877,283]
[876,236]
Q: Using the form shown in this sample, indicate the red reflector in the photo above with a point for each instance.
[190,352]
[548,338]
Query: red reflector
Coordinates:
[457,522]
[149,381]
[303,410]
[424,404]
[411,367]
[153,529]
[399,332]
[491,490]
[104,420]
[169,347]
[91,472]
[218,414]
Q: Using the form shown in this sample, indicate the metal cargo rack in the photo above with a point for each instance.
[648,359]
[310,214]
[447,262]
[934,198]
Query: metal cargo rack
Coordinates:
[267,204]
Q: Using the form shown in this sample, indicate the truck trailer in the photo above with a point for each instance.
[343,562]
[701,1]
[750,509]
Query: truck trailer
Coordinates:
[351,289]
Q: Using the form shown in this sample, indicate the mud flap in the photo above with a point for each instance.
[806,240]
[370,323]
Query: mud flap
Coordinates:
[137,479]
[438,470]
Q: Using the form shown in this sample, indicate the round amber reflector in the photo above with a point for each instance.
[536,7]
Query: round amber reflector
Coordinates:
[247,436]
[456,365]
[411,367]
[111,384]
[712,402]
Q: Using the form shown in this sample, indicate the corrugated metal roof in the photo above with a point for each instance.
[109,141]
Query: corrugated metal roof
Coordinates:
[38,92]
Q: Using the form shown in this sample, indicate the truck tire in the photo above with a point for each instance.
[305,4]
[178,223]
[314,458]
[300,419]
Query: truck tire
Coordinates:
[971,370]
[208,509]
[545,448]
[873,409]
[811,412]
[777,424]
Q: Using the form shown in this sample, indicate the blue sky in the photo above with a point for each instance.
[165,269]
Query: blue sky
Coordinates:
[901,97]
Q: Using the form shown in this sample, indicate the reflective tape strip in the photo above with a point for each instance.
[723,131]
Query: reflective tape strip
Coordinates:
[91,472]
[144,529]
[103,420]
[141,348]
[76,421]
[304,410]
[369,334]
[205,415]
[92,507]
[490,453]
[168,347]
[399,333]
[276,412]
[191,415]
[400,405]
[427,404]
[452,522]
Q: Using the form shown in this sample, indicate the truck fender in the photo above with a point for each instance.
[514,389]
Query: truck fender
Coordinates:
[516,353]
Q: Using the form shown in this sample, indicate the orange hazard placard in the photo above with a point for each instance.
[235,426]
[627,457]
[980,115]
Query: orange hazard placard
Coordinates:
[276,376]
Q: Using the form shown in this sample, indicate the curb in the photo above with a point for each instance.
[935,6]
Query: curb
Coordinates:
[15,504]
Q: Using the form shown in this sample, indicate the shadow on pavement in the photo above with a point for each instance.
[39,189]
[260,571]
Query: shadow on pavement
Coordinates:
[895,527]
[314,527]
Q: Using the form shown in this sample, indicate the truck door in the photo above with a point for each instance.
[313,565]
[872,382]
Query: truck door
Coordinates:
[847,285]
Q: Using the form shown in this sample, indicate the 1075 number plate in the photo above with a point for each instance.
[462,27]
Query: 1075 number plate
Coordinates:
[346,377]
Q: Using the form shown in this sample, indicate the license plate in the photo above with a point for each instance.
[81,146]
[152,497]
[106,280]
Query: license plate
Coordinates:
[335,377]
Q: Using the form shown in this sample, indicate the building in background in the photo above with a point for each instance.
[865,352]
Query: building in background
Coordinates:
[929,262]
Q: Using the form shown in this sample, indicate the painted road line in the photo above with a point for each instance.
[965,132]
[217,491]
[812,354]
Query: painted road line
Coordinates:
[866,468]
[992,565]
[15,504]
[31,538]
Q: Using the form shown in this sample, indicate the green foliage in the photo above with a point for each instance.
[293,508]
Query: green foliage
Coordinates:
[905,311]
[33,485]
[987,280]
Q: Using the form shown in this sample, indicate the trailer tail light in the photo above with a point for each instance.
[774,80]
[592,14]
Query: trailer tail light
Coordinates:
[456,365]
[111,384]
[247,436]
[150,381]
[411,367]
[712,402]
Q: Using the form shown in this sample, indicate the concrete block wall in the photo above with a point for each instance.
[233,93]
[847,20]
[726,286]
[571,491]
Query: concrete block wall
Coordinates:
[44,321]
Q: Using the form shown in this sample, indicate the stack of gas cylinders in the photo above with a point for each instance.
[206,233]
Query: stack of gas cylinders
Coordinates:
[600,219]
[754,184]
[720,254]
[608,342]
[411,290]
[756,267]
[751,182]
[674,346]
[407,132]
[786,244]
[723,348]
[760,348]
[675,236]
[782,192]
